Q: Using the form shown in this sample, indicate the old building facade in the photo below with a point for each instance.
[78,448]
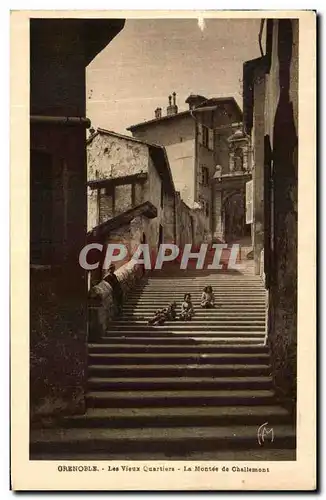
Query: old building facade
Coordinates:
[193,145]
[125,174]
[232,173]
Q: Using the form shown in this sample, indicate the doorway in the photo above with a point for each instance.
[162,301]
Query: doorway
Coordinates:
[234,217]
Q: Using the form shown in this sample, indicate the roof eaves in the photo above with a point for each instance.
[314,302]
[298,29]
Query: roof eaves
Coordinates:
[158,120]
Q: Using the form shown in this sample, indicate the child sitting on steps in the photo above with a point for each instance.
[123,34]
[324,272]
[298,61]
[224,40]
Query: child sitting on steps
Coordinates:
[158,318]
[207,298]
[161,315]
[187,310]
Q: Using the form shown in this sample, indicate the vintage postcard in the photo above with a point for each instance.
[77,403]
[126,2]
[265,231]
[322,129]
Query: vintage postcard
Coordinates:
[163,175]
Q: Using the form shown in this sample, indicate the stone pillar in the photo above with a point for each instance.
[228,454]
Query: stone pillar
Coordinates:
[258,174]
[218,221]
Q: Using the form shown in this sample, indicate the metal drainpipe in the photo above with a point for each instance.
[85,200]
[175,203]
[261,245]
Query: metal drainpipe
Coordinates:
[260,36]
[175,218]
[61,120]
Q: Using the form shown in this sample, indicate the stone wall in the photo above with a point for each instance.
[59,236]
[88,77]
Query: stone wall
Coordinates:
[58,349]
[203,193]
[59,52]
[178,137]
[281,125]
[182,162]
[184,222]
[58,302]
[218,230]
[258,168]
[101,304]
[169,218]
[110,157]
[92,208]
[201,234]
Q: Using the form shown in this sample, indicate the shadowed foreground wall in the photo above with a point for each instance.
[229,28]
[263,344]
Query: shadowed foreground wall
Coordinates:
[60,49]
[282,130]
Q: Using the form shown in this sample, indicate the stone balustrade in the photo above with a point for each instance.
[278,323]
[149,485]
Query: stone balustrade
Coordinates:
[101,308]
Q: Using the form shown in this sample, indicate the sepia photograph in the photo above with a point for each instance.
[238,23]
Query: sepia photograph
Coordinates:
[163,242]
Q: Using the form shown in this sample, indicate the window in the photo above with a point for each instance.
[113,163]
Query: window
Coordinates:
[204,175]
[205,136]
[211,139]
[207,209]
[106,203]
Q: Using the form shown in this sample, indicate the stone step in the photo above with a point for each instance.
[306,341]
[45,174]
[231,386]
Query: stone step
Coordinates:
[200,277]
[218,310]
[261,453]
[123,345]
[177,370]
[176,416]
[172,440]
[245,271]
[178,383]
[219,307]
[199,340]
[196,298]
[170,358]
[232,337]
[196,321]
[196,283]
[198,292]
[165,398]
[190,328]
[132,317]
[177,288]
[200,285]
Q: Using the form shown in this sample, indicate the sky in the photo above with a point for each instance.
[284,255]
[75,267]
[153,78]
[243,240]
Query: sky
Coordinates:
[151,58]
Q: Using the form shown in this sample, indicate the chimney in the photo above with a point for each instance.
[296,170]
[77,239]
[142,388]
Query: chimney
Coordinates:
[195,100]
[172,109]
[158,113]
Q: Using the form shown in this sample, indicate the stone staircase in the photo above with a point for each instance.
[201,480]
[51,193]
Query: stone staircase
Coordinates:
[197,390]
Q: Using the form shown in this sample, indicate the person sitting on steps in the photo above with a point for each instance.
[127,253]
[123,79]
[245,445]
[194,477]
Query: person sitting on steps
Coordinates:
[187,310]
[171,312]
[158,318]
[207,298]
[117,292]
[162,315]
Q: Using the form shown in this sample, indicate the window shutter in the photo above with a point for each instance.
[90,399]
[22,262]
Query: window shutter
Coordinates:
[200,133]
[211,139]
[249,203]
